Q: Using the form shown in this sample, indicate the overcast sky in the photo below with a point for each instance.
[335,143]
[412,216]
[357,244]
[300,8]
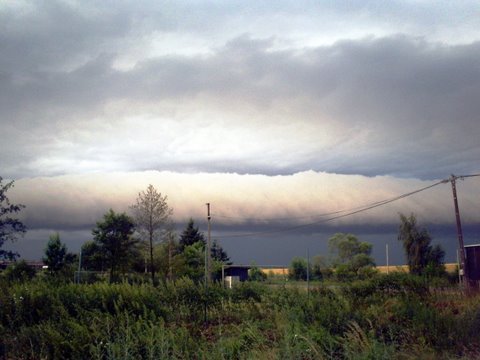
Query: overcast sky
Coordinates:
[280,108]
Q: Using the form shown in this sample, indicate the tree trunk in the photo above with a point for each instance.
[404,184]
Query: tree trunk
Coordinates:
[170,259]
[152,269]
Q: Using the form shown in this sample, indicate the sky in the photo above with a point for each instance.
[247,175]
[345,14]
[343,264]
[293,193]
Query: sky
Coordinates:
[274,112]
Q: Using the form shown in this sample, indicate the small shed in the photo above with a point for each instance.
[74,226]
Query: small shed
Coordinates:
[237,271]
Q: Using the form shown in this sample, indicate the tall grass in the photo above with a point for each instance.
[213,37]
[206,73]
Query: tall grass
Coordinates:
[383,318]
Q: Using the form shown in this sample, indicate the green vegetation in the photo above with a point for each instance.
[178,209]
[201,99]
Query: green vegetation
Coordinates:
[114,238]
[348,312]
[387,317]
[57,258]
[298,269]
[349,260]
[10,226]
[422,257]
[256,274]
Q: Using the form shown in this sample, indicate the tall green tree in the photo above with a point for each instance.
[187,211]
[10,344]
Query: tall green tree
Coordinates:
[114,235]
[191,235]
[419,252]
[151,214]
[93,257]
[10,226]
[57,258]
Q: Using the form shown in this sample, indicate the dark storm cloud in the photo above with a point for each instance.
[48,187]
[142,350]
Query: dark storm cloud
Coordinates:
[397,105]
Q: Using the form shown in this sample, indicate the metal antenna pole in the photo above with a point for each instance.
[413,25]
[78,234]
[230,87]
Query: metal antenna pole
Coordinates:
[463,263]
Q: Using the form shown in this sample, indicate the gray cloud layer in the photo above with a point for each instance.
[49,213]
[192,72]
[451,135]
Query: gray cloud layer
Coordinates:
[240,201]
[90,87]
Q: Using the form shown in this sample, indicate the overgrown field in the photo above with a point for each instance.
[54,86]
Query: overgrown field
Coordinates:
[387,317]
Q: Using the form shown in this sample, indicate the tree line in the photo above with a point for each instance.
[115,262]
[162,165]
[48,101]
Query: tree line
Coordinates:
[146,241]
[143,242]
[350,258]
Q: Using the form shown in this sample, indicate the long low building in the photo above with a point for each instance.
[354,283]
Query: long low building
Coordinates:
[450,267]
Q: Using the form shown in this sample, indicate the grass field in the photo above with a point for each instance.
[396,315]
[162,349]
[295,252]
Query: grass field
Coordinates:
[388,317]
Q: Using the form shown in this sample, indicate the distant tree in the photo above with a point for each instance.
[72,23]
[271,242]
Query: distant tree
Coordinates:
[93,257]
[219,258]
[298,269]
[321,268]
[19,271]
[191,235]
[56,256]
[218,254]
[114,235]
[418,249]
[256,274]
[349,255]
[10,226]
[151,213]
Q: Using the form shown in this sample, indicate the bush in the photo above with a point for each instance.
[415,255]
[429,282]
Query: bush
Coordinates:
[19,271]
[298,269]
[255,274]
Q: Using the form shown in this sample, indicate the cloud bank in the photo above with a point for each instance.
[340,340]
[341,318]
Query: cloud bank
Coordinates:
[240,201]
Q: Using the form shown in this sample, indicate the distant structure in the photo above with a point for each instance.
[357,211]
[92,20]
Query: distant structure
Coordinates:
[235,272]
[37,265]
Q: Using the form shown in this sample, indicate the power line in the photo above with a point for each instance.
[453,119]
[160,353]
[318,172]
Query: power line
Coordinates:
[350,212]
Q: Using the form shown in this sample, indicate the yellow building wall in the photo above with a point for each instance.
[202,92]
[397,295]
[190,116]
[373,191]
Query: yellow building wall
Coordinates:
[451,267]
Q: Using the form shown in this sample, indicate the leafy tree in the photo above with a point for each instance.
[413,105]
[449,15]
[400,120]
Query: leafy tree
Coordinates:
[56,256]
[350,256]
[10,226]
[320,268]
[168,263]
[191,235]
[114,235]
[151,213]
[93,256]
[193,258]
[298,269]
[418,249]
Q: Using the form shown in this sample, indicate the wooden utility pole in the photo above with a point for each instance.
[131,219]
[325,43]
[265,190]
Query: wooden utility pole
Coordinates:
[463,263]
[207,264]
[208,255]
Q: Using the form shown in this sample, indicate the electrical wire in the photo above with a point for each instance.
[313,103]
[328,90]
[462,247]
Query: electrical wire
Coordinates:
[351,212]
[338,211]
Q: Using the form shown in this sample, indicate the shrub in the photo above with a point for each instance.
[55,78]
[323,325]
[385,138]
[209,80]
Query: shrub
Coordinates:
[298,269]
[19,271]
[255,274]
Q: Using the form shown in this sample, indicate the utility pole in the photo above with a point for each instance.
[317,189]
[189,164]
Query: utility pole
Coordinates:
[207,263]
[463,263]
[208,255]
